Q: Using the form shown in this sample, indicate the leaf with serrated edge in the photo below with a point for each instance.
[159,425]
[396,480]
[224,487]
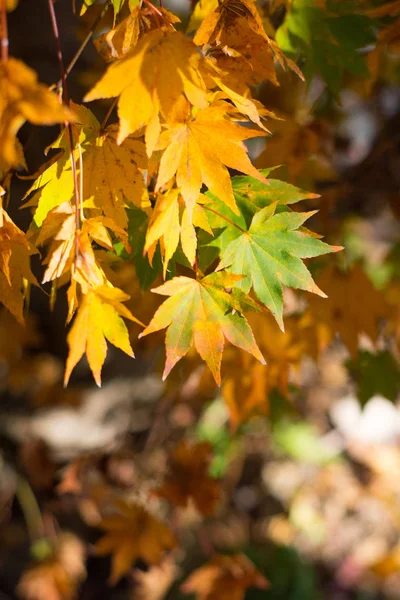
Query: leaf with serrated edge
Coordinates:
[269,254]
[98,319]
[203,313]
[200,150]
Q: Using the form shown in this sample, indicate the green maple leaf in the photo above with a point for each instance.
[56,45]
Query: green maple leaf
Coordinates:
[269,254]
[375,374]
[329,39]
[251,196]
[204,313]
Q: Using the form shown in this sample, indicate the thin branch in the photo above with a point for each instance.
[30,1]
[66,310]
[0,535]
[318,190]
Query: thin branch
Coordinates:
[225,218]
[108,115]
[85,41]
[4,31]
[67,125]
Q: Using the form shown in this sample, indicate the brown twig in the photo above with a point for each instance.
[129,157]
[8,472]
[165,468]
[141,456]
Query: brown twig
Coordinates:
[108,115]
[67,125]
[85,42]
[4,31]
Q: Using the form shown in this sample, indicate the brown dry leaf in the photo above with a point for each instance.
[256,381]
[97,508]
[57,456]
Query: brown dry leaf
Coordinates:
[22,99]
[133,533]
[15,271]
[14,338]
[58,577]
[235,37]
[353,307]
[224,578]
[188,478]
[35,460]
[392,294]
[122,38]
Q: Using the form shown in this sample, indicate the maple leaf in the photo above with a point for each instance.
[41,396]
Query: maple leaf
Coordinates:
[203,313]
[224,578]
[200,150]
[270,254]
[188,478]
[122,38]
[170,223]
[353,307]
[15,252]
[98,319]
[330,37]
[69,245]
[296,143]
[58,228]
[111,174]
[375,374]
[235,37]
[57,577]
[133,533]
[22,99]
[248,384]
[150,79]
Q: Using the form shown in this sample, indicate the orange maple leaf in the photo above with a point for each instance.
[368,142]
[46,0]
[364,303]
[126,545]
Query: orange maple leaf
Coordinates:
[203,313]
[188,478]
[133,533]
[224,578]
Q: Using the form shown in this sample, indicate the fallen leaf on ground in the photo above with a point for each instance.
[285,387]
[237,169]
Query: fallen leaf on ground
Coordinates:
[188,478]
[224,578]
[133,533]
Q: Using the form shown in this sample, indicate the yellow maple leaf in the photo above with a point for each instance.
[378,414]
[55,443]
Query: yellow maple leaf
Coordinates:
[22,99]
[15,252]
[170,223]
[98,319]
[111,175]
[133,533]
[199,151]
[149,81]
